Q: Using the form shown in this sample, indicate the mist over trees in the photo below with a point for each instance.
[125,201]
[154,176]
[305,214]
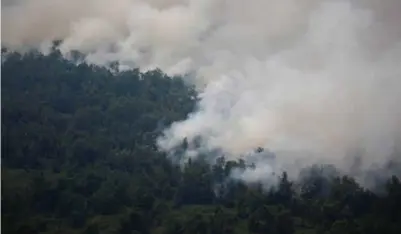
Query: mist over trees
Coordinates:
[79,156]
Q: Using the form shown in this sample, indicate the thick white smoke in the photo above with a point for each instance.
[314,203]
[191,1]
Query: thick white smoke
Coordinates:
[312,80]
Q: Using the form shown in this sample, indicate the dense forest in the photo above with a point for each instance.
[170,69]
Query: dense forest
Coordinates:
[79,156]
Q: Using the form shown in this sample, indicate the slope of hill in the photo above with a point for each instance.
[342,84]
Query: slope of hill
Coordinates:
[79,156]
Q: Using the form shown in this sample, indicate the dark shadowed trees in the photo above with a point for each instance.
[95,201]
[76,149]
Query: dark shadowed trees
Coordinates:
[79,156]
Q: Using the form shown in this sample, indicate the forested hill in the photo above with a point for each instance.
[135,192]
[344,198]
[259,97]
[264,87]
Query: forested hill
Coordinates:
[79,156]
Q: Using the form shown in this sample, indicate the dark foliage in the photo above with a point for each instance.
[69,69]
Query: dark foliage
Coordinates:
[79,156]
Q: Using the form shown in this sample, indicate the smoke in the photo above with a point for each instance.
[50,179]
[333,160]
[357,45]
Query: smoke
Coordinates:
[315,81]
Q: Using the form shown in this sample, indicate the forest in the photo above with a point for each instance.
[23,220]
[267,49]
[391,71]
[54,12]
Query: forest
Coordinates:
[79,156]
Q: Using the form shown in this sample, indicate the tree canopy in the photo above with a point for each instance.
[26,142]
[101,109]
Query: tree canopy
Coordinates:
[79,156]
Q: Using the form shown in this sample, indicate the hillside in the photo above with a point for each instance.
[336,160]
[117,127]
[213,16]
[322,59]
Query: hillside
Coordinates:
[79,156]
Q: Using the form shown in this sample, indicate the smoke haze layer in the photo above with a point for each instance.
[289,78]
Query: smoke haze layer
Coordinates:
[315,81]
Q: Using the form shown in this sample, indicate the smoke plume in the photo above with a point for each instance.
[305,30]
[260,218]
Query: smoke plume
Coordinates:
[315,81]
